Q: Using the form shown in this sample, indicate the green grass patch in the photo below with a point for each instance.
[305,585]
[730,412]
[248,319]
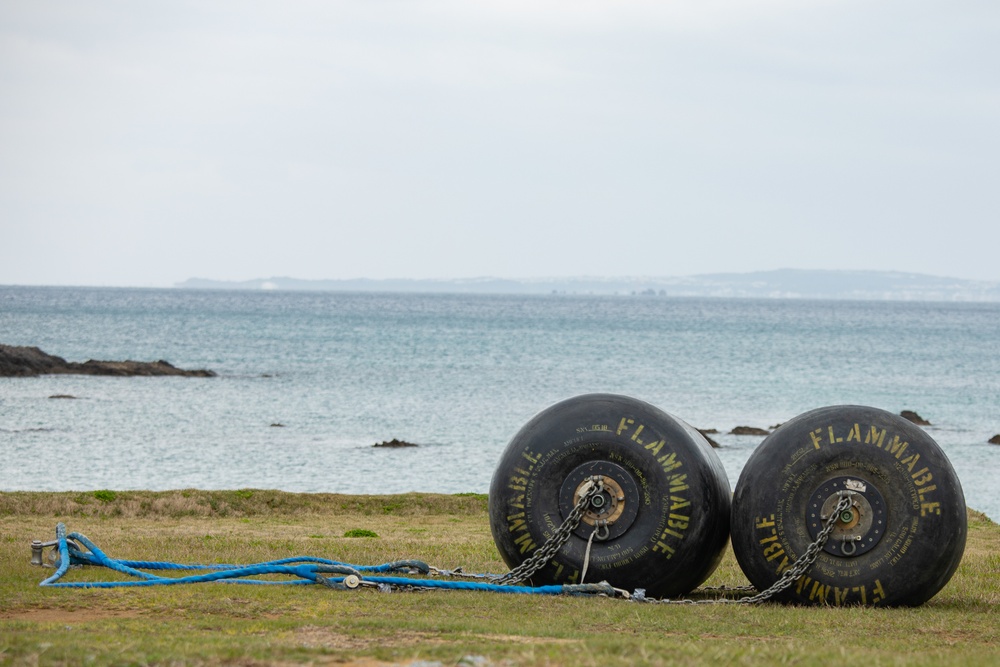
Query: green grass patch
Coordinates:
[360,532]
[106,496]
[215,624]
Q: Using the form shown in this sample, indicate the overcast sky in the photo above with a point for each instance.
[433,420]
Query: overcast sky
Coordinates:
[143,143]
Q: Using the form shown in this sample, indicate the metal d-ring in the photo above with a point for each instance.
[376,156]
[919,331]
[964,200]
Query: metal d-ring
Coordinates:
[601,531]
[854,547]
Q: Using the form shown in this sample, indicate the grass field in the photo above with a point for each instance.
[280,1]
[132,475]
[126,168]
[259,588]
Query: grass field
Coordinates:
[215,624]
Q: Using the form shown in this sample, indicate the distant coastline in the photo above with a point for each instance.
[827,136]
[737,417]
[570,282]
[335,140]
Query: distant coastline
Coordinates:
[777,284]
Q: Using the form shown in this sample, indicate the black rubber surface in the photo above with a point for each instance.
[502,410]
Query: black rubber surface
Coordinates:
[906,531]
[675,498]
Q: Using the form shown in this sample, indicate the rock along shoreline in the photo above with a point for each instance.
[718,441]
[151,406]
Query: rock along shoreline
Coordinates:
[18,361]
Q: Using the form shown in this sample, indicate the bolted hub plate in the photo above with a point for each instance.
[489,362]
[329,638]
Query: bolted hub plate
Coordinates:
[607,506]
[859,528]
[616,506]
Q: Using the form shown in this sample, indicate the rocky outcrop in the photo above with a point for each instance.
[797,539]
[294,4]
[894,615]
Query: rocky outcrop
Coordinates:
[394,443]
[912,416]
[995,440]
[18,361]
[706,432]
[749,430]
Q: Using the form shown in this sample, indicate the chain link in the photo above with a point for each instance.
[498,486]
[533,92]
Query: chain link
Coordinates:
[547,551]
[798,568]
[802,565]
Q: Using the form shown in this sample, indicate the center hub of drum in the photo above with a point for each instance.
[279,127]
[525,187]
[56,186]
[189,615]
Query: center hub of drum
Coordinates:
[611,511]
[858,528]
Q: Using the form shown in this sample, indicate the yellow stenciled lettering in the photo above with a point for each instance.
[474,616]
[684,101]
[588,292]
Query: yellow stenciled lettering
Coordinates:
[929,508]
[783,565]
[819,592]
[896,447]
[855,433]
[832,438]
[772,547]
[525,543]
[669,462]
[878,593]
[678,483]
[911,461]
[875,437]
[772,551]
[777,553]
[677,502]
[655,447]
[516,522]
[922,493]
[814,436]
[623,425]
[635,436]
[664,548]
[671,531]
[517,483]
[922,476]
[678,521]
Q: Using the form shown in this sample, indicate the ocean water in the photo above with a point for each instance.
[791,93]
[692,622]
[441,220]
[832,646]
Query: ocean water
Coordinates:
[459,375]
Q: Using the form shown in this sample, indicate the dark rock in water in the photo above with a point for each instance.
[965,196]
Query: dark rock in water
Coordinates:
[776,427]
[912,416]
[709,431]
[30,361]
[749,430]
[394,443]
[62,396]
[995,440]
[278,425]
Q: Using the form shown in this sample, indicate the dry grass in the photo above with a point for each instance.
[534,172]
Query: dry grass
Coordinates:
[240,503]
[256,625]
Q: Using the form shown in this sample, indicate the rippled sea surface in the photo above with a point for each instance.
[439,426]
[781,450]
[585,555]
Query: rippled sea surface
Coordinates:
[459,375]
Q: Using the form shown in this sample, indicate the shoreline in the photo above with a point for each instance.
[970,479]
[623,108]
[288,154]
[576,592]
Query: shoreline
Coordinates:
[206,503]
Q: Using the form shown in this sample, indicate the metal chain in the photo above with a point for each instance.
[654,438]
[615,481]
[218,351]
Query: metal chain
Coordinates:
[547,551]
[798,568]
[805,561]
[723,589]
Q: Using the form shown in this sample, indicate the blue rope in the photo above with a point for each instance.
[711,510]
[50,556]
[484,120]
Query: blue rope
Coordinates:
[306,569]
[82,557]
